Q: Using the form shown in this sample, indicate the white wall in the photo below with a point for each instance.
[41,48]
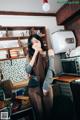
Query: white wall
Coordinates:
[49,22]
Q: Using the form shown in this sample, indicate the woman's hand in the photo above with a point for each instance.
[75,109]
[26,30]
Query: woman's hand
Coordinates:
[50,52]
[36,47]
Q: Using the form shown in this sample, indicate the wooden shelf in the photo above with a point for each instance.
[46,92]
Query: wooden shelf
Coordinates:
[12,58]
[21,27]
[17,58]
[17,37]
[11,48]
[9,55]
[4,59]
[20,84]
[14,38]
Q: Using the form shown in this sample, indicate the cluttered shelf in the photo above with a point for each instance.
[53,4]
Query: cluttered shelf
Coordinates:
[13,53]
[20,32]
[13,40]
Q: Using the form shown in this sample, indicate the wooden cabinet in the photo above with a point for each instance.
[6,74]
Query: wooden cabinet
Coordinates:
[67,97]
[13,40]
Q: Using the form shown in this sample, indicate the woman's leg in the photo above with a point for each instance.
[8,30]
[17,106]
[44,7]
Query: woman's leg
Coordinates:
[36,101]
[48,102]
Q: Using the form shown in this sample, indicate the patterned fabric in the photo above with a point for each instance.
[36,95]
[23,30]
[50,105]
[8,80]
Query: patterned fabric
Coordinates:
[14,70]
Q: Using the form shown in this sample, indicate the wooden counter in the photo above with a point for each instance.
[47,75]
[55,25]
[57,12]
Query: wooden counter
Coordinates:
[67,78]
[21,84]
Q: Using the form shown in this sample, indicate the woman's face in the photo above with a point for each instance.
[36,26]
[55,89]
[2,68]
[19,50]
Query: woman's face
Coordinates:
[36,42]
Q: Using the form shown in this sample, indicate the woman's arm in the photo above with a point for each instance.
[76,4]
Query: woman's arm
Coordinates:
[50,72]
[51,59]
[33,58]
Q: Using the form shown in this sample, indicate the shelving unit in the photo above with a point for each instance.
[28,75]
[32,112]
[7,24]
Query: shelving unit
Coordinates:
[11,38]
[18,34]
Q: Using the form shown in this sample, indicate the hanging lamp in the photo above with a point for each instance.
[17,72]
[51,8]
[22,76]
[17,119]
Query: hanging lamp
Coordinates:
[45,6]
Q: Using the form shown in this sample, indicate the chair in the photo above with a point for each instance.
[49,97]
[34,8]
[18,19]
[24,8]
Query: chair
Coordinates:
[7,88]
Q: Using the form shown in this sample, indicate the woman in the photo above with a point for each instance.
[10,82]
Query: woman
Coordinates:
[40,69]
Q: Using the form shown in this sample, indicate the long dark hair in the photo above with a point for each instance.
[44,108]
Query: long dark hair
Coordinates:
[30,49]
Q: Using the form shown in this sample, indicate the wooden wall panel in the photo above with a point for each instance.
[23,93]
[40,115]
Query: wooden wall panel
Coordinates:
[66,12]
